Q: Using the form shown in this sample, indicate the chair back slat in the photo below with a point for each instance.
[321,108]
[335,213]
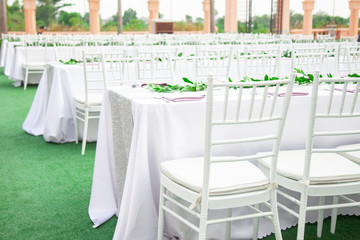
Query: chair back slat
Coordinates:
[343,105]
[93,74]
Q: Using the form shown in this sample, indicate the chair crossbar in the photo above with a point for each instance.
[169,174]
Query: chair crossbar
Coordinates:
[267,119]
[177,203]
[338,115]
[245,158]
[174,214]
[336,133]
[329,206]
[259,211]
[231,219]
[244,140]
[348,199]
[288,197]
[331,150]
[282,206]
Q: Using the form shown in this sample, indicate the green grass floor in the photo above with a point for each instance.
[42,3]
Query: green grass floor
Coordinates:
[45,187]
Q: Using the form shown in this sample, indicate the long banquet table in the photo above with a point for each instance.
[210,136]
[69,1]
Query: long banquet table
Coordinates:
[137,131]
[52,111]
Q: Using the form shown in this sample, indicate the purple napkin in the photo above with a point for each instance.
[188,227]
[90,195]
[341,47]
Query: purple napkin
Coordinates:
[293,94]
[347,90]
[183,99]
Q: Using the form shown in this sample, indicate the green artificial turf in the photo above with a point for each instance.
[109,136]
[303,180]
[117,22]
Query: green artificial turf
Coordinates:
[45,187]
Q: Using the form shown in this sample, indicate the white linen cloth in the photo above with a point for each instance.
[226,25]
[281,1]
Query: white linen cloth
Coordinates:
[15,58]
[3,52]
[164,131]
[52,111]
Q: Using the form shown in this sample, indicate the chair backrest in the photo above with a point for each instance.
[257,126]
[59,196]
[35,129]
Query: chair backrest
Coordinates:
[334,113]
[65,53]
[241,114]
[310,59]
[190,67]
[93,74]
[35,54]
[215,59]
[258,62]
[118,69]
[304,39]
[352,59]
[154,66]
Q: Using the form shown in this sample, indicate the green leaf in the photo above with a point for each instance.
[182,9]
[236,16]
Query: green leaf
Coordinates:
[187,80]
[297,70]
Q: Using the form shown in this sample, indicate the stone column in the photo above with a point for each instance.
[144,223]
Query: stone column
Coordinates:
[30,16]
[308,6]
[354,6]
[206,8]
[153,6]
[94,17]
[231,25]
[286,17]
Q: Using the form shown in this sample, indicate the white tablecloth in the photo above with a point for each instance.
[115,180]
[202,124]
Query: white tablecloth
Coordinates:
[136,133]
[4,44]
[52,111]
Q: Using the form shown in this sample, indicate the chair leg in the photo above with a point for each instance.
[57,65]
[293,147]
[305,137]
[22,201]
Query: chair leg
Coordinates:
[76,128]
[302,214]
[320,217]
[160,235]
[26,78]
[228,224]
[86,122]
[275,217]
[256,225]
[203,226]
[334,215]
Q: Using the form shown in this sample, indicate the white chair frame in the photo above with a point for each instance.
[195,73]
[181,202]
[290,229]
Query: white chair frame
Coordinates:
[88,106]
[259,112]
[304,186]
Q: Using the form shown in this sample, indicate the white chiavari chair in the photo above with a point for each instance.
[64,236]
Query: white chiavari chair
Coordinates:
[225,182]
[154,66]
[35,59]
[310,59]
[258,62]
[88,104]
[319,170]
[215,59]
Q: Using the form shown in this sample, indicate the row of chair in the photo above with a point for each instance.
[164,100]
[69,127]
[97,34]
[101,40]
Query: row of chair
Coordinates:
[227,182]
[254,61]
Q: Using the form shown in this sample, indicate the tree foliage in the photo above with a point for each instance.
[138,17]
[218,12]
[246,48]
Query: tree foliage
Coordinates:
[48,10]
[128,16]
[15,17]
[72,20]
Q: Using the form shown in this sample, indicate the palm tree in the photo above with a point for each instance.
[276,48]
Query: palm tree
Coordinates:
[120,20]
[212,16]
[3,19]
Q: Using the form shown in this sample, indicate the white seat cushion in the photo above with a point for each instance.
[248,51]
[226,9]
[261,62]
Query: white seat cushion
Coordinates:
[93,99]
[225,178]
[353,156]
[325,167]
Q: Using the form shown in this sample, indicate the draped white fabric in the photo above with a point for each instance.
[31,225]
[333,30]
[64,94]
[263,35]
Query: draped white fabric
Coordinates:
[52,111]
[163,131]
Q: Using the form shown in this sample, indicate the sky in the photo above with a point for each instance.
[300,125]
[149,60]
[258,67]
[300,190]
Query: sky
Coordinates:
[177,9]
